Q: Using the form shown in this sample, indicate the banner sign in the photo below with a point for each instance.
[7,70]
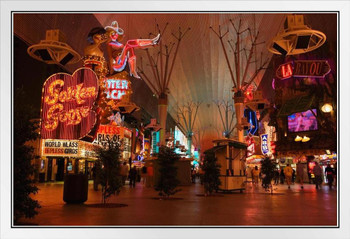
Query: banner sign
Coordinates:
[264,143]
[303,68]
[67,105]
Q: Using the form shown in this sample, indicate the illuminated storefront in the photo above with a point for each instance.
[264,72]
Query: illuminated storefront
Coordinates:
[180,142]
[60,157]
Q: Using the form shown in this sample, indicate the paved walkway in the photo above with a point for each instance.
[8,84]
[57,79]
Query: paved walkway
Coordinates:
[254,207]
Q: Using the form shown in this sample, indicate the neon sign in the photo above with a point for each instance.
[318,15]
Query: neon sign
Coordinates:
[286,70]
[252,119]
[116,88]
[127,54]
[251,146]
[303,68]
[264,144]
[67,103]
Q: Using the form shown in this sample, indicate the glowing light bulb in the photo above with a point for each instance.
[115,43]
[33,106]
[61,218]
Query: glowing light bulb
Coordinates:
[298,138]
[326,108]
[305,139]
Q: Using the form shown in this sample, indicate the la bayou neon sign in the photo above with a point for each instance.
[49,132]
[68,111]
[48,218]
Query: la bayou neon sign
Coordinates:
[303,68]
[67,104]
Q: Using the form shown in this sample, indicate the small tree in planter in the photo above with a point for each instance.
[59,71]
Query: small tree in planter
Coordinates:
[24,130]
[267,170]
[167,181]
[108,169]
[211,175]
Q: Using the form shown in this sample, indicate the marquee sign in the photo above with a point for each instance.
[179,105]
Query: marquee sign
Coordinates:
[67,105]
[67,148]
[59,148]
[303,68]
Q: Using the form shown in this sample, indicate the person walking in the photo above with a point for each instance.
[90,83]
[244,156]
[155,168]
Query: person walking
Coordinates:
[248,173]
[94,178]
[288,172]
[317,171]
[124,171]
[201,174]
[193,175]
[133,175]
[293,176]
[150,176]
[276,176]
[335,174]
[330,174]
[300,174]
[282,176]
[255,175]
[143,174]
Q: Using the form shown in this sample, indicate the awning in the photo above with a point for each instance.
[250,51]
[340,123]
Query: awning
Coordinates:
[238,145]
[298,104]
[214,149]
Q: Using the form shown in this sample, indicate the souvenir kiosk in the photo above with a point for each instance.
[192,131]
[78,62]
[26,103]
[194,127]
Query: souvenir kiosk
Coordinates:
[231,155]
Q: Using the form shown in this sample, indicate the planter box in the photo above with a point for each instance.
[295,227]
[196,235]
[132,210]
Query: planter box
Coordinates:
[75,188]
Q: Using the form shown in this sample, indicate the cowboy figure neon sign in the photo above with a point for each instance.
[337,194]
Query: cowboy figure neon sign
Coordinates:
[115,34]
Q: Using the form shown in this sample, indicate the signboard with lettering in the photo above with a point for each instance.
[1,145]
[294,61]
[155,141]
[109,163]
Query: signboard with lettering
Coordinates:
[67,148]
[303,68]
[59,148]
[111,133]
[67,105]
[117,88]
[264,144]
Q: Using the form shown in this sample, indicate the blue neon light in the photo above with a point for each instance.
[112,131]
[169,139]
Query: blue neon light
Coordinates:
[252,119]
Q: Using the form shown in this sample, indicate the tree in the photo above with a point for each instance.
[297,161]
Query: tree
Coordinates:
[211,173]
[267,169]
[167,181]
[108,169]
[25,129]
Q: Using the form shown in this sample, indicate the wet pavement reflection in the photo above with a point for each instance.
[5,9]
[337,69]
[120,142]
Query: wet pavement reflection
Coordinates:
[254,207]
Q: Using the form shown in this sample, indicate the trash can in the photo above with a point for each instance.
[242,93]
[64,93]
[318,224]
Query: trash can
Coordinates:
[41,177]
[75,189]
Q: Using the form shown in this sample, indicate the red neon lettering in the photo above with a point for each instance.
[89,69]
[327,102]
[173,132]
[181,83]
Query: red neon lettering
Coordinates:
[287,71]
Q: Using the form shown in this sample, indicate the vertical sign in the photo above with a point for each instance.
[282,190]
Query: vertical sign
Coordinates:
[264,144]
[251,146]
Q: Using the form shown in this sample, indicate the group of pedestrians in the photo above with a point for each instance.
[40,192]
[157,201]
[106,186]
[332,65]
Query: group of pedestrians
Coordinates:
[300,175]
[197,173]
[134,174]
